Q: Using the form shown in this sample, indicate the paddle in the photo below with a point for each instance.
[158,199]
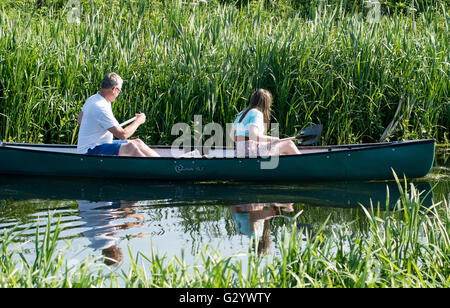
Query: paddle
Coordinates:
[309,135]
[127,122]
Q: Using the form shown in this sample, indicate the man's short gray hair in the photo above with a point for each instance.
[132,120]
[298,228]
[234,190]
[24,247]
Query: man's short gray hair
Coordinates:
[112,80]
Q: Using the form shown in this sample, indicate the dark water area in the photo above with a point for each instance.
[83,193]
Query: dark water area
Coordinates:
[108,218]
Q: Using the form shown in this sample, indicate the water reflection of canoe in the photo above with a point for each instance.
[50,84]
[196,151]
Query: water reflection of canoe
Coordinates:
[346,162]
[333,194]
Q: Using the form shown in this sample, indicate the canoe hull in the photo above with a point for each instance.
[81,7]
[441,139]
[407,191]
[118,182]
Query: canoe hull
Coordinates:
[412,159]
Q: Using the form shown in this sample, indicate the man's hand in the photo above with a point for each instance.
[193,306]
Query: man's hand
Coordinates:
[140,118]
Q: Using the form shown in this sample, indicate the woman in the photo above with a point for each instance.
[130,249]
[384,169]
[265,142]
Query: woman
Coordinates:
[250,127]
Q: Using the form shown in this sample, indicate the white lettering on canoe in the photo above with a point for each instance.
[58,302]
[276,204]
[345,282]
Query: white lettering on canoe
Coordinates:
[180,168]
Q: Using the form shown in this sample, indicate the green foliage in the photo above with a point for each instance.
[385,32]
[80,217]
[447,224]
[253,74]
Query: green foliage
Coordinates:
[49,269]
[303,7]
[179,60]
[308,7]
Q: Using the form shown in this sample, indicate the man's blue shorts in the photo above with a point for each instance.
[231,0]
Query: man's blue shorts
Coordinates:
[107,148]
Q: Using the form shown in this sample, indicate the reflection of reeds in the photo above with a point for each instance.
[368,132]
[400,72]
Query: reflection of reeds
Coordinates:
[178,62]
[405,247]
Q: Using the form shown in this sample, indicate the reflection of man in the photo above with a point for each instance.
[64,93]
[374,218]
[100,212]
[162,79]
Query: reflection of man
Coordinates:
[253,220]
[100,217]
[113,255]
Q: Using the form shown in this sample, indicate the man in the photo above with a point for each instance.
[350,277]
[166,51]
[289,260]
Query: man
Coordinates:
[98,126]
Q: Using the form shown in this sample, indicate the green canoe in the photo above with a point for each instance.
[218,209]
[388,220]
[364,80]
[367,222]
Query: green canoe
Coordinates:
[376,161]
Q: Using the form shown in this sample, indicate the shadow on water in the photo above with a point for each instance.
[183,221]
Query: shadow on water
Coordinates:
[329,194]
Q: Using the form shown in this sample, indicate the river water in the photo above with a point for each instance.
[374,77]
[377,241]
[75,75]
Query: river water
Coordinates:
[109,218]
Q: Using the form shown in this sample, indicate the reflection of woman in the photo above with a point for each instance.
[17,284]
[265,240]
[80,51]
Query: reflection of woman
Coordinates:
[99,218]
[250,127]
[253,220]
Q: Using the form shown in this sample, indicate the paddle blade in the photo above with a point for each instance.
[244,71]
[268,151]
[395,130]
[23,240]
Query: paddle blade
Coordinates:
[311,134]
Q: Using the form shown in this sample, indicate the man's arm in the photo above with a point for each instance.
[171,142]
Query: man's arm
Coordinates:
[127,132]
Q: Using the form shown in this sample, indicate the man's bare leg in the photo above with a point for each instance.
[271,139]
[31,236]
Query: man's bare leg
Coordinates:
[136,148]
[130,149]
[145,148]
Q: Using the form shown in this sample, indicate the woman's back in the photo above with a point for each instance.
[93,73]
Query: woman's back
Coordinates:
[253,117]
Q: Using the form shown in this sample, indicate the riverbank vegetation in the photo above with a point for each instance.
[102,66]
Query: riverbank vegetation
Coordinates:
[339,63]
[408,246]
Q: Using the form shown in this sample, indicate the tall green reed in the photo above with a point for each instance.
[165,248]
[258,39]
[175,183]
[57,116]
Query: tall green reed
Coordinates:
[180,60]
[49,268]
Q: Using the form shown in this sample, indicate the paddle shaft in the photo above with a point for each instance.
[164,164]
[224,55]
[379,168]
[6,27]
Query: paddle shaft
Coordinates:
[309,135]
[287,139]
[128,121]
